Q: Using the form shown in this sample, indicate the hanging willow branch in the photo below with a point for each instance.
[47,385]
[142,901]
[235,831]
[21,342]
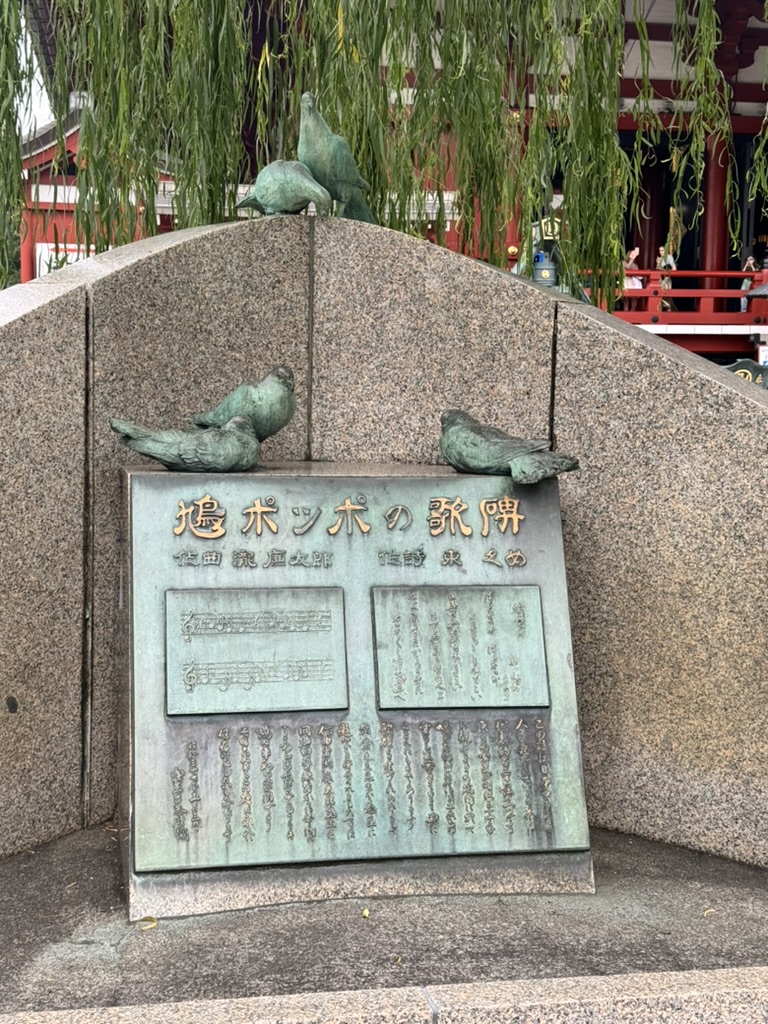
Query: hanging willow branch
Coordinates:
[702,119]
[482,99]
[15,99]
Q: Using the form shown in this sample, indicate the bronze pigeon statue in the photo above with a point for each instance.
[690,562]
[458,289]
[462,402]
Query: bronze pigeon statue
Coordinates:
[330,160]
[267,404]
[232,448]
[285,186]
[471,447]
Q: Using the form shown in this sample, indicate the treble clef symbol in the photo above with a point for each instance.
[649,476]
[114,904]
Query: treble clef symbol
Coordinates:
[190,677]
[188,626]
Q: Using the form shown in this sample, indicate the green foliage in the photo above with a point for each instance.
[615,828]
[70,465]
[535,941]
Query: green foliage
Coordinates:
[493,97]
[702,117]
[15,92]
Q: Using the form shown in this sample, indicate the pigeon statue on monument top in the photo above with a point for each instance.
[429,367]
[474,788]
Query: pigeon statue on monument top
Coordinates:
[470,447]
[330,160]
[232,448]
[285,186]
[267,404]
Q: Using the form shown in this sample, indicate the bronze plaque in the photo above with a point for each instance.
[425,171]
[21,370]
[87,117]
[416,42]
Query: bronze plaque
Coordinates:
[336,667]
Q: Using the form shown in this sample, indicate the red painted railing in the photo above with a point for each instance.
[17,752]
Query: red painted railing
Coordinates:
[710,298]
[714,324]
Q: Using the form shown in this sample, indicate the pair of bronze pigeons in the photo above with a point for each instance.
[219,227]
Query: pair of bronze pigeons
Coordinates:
[232,432]
[230,437]
[325,171]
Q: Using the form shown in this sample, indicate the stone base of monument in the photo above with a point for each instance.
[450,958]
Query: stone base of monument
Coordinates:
[332,665]
[670,937]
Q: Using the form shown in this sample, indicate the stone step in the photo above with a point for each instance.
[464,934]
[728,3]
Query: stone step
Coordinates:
[686,997]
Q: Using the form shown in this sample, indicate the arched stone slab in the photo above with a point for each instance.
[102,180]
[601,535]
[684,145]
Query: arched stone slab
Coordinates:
[664,531]
[663,524]
[42,466]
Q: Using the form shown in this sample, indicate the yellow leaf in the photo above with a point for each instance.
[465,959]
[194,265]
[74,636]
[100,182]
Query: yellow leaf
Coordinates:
[365,912]
[264,59]
[339,27]
[355,55]
[708,912]
[146,923]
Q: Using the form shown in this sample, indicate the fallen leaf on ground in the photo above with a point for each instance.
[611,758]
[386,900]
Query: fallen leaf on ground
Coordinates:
[146,923]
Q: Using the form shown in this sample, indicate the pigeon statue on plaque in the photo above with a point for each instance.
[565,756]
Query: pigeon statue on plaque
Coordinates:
[232,448]
[267,404]
[471,447]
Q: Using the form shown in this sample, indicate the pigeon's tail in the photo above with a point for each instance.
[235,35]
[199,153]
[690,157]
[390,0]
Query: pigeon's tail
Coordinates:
[358,209]
[251,203]
[140,439]
[537,466]
[130,431]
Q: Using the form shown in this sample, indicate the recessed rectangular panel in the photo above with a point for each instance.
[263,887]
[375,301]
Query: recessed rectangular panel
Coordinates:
[459,647]
[276,649]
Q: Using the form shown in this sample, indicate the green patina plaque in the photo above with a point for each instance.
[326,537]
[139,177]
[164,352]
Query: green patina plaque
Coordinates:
[276,649]
[328,666]
[459,647]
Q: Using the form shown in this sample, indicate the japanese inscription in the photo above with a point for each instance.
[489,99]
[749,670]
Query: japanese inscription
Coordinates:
[464,647]
[446,516]
[471,773]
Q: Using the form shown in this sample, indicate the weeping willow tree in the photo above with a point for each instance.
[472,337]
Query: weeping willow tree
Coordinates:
[491,97]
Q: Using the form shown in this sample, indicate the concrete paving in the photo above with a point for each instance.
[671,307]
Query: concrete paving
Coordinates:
[65,940]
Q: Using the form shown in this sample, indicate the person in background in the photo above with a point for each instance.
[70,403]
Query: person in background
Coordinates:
[746,284]
[631,280]
[666,261]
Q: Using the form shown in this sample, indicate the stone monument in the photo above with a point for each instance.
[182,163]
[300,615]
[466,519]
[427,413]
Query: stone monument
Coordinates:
[334,663]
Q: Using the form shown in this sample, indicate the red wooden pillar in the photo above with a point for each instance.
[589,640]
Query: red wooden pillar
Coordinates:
[714,226]
[28,231]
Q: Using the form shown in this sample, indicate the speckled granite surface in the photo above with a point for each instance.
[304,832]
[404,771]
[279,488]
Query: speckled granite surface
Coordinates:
[664,523]
[695,997]
[173,332]
[403,330]
[670,935]
[721,997]
[664,529]
[42,362]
